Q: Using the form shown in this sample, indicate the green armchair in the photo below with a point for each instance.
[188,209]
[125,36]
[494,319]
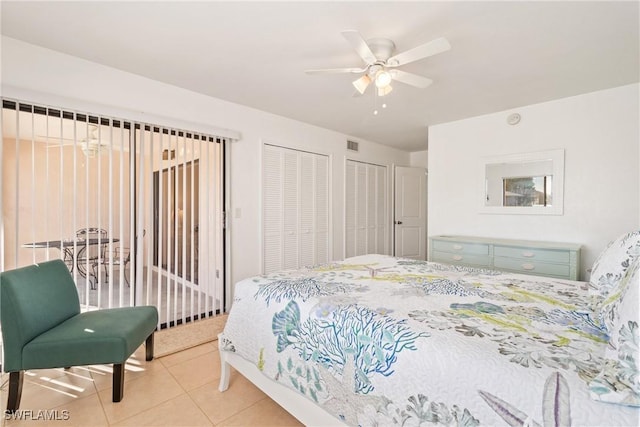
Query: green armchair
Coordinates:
[42,327]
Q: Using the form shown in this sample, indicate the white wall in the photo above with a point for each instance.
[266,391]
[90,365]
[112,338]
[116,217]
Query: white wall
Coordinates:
[83,84]
[419,159]
[600,134]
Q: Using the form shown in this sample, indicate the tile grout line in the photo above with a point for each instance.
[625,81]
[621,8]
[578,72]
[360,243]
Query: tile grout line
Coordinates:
[186,392]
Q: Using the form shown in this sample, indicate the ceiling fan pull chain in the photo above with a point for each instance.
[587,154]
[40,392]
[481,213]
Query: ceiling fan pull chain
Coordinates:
[375,103]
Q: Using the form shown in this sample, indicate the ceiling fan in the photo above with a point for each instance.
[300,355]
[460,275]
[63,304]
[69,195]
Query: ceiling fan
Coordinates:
[381,63]
[91,145]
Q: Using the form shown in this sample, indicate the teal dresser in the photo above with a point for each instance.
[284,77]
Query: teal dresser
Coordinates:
[552,259]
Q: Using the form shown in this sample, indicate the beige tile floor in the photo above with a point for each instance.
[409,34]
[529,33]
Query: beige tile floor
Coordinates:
[180,389]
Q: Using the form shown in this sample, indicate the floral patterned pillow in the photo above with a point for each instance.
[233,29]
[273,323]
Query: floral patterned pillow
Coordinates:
[612,264]
[619,380]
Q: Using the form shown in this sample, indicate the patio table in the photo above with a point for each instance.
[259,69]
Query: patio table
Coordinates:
[68,246]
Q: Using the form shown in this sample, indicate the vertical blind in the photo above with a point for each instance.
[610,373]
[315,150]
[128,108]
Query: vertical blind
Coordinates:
[129,206]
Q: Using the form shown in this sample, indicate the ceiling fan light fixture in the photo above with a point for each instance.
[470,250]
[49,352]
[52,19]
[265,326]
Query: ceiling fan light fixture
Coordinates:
[386,90]
[383,79]
[362,83]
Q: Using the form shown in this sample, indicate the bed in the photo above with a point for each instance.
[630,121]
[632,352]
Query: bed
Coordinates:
[378,340]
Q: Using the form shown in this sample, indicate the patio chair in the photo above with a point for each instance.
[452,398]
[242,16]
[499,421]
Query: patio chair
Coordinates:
[118,258]
[91,255]
[42,327]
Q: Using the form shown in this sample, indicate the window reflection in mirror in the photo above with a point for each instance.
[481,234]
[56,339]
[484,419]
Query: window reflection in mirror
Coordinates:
[527,191]
[523,183]
[519,183]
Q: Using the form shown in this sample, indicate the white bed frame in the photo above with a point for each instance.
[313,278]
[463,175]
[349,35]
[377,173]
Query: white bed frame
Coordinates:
[296,404]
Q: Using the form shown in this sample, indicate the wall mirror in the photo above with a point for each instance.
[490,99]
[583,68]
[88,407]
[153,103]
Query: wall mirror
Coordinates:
[524,183]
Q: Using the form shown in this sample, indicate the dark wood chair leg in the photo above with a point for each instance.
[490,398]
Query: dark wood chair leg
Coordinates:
[15,390]
[149,348]
[118,381]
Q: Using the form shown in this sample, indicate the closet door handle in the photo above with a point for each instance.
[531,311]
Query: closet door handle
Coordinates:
[398,222]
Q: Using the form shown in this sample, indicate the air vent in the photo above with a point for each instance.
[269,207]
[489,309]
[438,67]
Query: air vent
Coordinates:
[352,145]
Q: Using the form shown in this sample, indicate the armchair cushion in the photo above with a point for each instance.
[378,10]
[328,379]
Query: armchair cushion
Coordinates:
[94,337]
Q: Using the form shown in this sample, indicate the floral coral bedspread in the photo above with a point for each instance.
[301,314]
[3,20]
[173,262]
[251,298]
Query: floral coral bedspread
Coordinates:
[378,340]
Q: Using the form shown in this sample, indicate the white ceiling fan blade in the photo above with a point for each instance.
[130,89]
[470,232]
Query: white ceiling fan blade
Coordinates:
[419,52]
[360,45]
[69,143]
[410,79]
[336,71]
[54,138]
[56,143]
[92,132]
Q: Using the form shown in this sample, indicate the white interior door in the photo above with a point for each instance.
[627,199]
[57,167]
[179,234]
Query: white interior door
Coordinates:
[410,212]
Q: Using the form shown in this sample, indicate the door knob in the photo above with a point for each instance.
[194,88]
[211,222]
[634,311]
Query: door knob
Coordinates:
[398,222]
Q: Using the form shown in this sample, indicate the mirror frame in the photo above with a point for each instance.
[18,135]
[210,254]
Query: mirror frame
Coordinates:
[557,156]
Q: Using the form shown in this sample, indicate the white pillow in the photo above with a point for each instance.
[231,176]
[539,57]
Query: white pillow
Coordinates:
[619,379]
[612,264]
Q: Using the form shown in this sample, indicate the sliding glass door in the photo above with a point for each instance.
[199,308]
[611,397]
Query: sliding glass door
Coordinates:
[130,207]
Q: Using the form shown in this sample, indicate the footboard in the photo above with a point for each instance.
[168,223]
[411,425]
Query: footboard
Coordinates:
[306,411]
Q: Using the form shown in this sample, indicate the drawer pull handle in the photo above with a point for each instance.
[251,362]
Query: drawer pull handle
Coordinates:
[528,266]
[528,254]
[457,257]
[457,247]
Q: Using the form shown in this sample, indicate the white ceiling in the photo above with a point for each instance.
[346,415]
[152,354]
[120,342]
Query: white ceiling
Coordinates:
[504,54]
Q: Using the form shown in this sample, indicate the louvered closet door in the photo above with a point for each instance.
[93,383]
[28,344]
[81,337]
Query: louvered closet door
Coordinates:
[350,209]
[291,209]
[272,208]
[366,207]
[321,210]
[295,208]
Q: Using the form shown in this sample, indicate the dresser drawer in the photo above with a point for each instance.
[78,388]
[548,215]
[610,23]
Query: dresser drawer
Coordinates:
[466,259]
[554,259]
[527,266]
[559,256]
[461,247]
